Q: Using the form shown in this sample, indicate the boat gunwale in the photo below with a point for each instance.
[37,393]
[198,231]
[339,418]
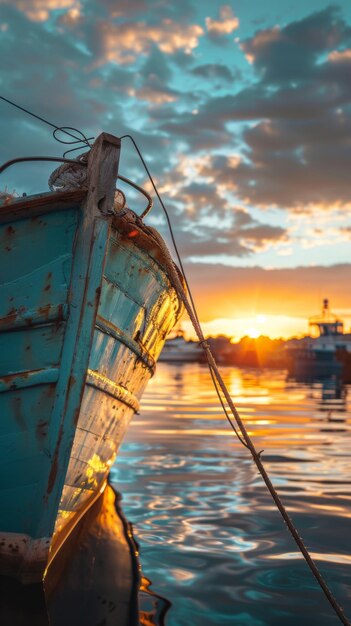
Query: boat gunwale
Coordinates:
[51,201]
[39,204]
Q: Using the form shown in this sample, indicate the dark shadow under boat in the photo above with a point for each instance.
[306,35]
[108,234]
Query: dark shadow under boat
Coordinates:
[95,579]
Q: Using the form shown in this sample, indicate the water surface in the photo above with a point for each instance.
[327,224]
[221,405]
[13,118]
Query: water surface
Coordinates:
[211,539]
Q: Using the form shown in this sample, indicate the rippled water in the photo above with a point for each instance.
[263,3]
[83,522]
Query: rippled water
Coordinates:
[210,537]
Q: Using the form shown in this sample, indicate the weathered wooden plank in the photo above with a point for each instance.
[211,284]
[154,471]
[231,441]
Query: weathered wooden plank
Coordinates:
[88,265]
[42,204]
[31,378]
[122,337]
[102,174]
[36,259]
[19,318]
[28,408]
[30,349]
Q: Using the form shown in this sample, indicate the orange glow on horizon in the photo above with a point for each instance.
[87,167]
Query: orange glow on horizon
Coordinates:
[277,302]
[272,326]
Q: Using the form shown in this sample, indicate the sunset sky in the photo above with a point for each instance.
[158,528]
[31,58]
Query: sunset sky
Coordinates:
[242,111]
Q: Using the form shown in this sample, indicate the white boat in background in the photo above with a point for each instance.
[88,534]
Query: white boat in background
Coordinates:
[178,350]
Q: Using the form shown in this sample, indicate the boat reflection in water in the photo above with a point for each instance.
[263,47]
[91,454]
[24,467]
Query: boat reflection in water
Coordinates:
[95,578]
[330,392]
[333,396]
[153,607]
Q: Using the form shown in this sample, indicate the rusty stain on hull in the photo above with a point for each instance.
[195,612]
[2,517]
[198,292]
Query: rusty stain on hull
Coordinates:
[18,412]
[10,317]
[44,310]
[10,380]
[42,430]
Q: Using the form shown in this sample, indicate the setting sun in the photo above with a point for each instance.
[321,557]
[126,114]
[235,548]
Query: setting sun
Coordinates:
[257,326]
[252,332]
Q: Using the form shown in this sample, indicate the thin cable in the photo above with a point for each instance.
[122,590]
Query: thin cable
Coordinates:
[142,191]
[66,129]
[167,217]
[191,310]
[72,149]
[184,276]
[225,411]
[4,166]
[257,459]
[63,129]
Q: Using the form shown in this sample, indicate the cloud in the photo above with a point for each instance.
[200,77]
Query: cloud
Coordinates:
[298,148]
[340,56]
[124,42]
[201,241]
[291,52]
[300,109]
[224,25]
[39,10]
[241,291]
[151,82]
[346,231]
[210,226]
[156,65]
[182,10]
[214,71]
[29,74]
[62,92]
[155,93]
[261,234]
[290,178]
[197,130]
[124,7]
[282,139]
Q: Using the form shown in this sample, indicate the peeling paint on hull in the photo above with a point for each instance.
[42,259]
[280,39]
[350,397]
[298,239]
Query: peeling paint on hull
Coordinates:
[84,313]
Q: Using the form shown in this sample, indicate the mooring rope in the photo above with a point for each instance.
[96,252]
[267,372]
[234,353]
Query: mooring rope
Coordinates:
[244,437]
[257,456]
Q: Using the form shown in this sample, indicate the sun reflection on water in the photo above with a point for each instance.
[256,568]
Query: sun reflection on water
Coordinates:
[211,538]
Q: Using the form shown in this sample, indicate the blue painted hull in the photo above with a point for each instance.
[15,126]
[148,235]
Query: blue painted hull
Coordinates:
[84,312]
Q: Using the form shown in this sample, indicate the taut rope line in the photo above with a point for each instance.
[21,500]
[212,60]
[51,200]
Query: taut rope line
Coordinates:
[245,437]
